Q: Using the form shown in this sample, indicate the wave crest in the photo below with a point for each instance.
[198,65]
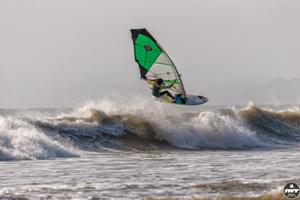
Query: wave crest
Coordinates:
[20,140]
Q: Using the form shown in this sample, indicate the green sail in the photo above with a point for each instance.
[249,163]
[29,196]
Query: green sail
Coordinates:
[146,51]
[154,62]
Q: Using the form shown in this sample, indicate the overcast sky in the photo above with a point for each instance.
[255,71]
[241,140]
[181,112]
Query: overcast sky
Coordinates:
[58,53]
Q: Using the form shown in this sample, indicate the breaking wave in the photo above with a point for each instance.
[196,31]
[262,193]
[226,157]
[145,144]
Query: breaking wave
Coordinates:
[21,141]
[139,124]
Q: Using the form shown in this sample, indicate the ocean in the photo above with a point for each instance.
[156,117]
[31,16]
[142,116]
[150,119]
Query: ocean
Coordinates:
[142,149]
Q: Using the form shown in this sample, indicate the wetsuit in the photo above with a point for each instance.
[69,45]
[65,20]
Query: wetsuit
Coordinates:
[156,91]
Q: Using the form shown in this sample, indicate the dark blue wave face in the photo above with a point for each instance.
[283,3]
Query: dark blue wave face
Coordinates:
[273,125]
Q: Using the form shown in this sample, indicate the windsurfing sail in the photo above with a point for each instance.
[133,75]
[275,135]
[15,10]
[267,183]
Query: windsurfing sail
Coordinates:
[154,62]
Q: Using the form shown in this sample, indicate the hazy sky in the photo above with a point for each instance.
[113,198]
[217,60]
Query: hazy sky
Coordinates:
[57,53]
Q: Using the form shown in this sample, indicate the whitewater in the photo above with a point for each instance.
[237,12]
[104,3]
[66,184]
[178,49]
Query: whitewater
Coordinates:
[138,148]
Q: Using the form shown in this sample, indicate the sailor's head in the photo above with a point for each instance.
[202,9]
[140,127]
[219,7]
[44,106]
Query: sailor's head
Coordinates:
[160,81]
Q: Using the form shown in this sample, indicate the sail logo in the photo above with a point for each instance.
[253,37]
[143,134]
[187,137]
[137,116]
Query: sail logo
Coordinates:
[291,190]
[147,48]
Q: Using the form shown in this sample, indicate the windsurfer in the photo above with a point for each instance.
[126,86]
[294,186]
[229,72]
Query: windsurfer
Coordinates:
[158,86]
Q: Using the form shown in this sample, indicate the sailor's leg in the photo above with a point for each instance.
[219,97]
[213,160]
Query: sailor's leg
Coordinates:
[166,93]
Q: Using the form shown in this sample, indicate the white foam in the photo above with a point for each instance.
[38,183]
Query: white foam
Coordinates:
[20,140]
[211,130]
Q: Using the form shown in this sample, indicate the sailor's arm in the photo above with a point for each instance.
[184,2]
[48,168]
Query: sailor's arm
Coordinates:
[167,86]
